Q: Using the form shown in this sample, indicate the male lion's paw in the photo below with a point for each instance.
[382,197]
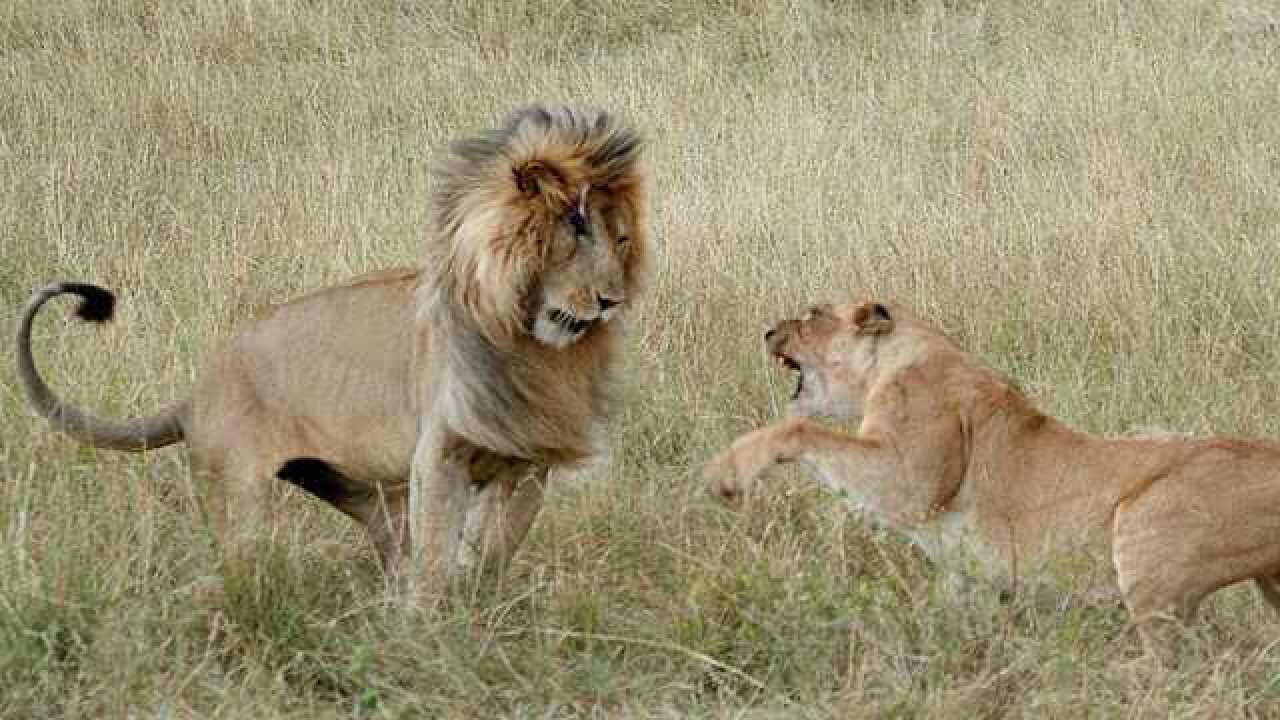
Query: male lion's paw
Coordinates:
[720,475]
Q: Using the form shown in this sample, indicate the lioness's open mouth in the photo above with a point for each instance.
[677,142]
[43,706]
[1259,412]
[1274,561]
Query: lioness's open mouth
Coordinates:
[789,363]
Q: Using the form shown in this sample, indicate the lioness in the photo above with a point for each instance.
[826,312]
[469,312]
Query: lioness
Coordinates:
[442,394]
[955,457]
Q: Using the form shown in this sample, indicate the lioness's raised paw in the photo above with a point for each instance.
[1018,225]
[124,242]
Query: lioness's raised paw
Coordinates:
[720,475]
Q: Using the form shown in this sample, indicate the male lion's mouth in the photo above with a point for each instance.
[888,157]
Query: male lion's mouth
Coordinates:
[568,323]
[560,328]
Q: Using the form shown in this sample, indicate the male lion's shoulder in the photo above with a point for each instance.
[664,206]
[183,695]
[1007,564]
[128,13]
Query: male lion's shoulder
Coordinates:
[385,276]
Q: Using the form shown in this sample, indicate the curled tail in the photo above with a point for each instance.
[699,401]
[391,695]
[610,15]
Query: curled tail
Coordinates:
[96,305]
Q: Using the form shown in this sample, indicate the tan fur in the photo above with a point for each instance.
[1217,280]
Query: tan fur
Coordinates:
[955,457]
[449,391]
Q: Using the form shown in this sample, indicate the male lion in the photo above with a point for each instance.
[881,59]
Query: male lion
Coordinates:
[958,459]
[439,397]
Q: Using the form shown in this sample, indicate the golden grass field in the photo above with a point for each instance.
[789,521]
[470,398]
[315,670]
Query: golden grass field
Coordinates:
[1087,195]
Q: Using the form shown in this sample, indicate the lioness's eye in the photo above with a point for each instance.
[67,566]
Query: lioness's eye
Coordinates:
[623,240]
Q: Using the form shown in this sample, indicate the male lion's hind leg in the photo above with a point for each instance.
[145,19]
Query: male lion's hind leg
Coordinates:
[237,496]
[386,514]
[383,511]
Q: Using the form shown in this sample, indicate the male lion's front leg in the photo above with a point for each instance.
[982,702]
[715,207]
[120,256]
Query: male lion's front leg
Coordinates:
[507,500]
[439,492]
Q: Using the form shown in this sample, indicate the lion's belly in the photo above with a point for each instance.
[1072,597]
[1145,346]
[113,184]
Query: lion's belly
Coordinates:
[327,376]
[356,414]
[1012,556]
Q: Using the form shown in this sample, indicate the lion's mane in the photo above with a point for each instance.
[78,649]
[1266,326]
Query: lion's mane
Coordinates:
[498,197]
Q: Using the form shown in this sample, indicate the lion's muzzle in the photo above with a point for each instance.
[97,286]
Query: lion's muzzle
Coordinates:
[776,341]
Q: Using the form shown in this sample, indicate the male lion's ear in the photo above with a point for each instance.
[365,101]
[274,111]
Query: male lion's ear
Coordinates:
[536,177]
[872,318]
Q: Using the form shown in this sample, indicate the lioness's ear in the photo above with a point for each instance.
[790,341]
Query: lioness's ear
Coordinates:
[872,318]
[538,178]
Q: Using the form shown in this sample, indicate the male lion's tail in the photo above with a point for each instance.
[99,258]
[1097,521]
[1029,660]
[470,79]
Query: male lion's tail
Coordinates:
[96,305]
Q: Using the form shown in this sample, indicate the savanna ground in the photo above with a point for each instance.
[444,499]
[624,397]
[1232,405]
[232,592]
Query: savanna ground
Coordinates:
[1085,194]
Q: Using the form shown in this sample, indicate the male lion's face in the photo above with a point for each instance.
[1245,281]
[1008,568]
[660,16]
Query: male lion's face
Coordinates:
[832,351]
[584,284]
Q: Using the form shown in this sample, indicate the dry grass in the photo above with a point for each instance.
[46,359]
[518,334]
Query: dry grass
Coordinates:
[1085,193]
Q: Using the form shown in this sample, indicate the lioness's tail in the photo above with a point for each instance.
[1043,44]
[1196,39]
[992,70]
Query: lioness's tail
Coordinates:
[96,305]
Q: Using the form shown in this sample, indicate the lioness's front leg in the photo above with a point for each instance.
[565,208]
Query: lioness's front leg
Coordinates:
[866,467]
[843,461]
[728,473]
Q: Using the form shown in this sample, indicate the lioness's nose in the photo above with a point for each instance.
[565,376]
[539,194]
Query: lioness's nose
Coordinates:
[774,337]
[778,334]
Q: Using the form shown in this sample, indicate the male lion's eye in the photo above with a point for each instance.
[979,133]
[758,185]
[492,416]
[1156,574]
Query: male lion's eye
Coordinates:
[577,222]
[623,240]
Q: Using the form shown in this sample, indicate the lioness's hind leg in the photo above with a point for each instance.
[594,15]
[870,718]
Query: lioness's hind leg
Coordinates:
[1269,588]
[1165,566]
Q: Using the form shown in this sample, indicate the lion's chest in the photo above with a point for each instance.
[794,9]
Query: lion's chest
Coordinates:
[543,412]
[1009,555]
